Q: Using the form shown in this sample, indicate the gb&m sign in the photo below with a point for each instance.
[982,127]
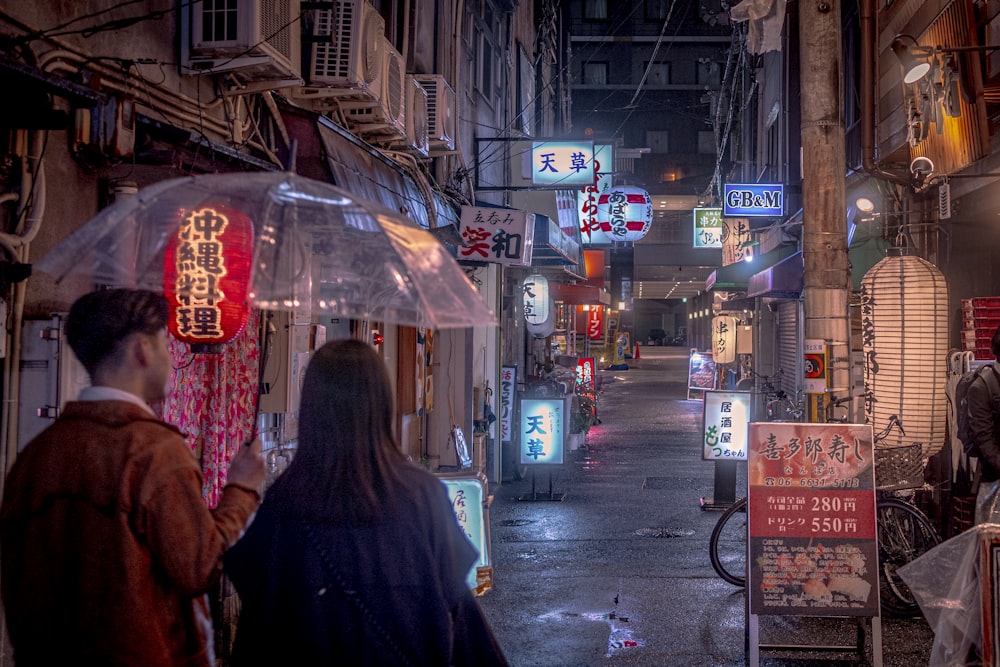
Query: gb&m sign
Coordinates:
[542,433]
[754,199]
[562,163]
[497,235]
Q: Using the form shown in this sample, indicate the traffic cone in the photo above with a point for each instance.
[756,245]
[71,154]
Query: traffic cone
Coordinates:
[636,355]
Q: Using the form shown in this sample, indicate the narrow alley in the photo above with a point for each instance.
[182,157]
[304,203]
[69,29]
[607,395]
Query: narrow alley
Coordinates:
[618,572]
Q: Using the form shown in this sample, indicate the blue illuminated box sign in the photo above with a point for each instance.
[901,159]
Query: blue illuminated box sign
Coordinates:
[542,432]
[562,163]
[754,199]
[468,499]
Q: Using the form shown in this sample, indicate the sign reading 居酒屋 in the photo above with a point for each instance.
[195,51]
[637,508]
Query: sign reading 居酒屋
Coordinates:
[497,235]
[542,433]
[726,415]
[811,520]
[753,199]
[561,164]
[707,228]
[468,500]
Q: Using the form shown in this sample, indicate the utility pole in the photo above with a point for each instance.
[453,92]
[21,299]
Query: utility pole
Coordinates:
[824,229]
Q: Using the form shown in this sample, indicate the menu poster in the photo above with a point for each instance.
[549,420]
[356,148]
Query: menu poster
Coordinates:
[811,520]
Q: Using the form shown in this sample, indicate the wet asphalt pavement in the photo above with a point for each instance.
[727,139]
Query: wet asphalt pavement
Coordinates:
[618,573]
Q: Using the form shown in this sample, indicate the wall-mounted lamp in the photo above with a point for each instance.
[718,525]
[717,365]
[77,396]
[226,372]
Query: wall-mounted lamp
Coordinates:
[864,204]
[916,59]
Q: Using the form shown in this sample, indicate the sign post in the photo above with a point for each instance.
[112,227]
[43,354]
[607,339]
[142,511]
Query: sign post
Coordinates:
[812,529]
[725,418]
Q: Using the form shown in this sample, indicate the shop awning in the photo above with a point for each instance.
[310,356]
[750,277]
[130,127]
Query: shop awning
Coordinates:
[735,277]
[579,295]
[555,248]
[782,280]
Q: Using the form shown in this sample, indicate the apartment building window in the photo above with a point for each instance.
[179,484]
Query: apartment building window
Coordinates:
[657,10]
[709,72]
[658,141]
[595,10]
[658,74]
[484,80]
[706,142]
[595,74]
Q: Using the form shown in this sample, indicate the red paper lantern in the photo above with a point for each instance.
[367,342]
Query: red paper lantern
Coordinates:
[625,213]
[206,275]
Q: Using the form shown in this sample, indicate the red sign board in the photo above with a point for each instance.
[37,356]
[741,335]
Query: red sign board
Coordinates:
[595,323]
[812,536]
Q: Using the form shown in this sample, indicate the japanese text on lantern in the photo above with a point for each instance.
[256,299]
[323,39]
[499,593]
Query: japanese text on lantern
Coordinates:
[201,266]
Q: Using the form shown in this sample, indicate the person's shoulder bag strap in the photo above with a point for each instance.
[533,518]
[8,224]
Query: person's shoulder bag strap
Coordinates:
[352,595]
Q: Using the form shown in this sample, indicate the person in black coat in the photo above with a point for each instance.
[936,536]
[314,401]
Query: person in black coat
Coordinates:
[984,423]
[355,556]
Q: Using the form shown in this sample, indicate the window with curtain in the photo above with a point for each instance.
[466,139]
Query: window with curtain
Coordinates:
[595,10]
[595,74]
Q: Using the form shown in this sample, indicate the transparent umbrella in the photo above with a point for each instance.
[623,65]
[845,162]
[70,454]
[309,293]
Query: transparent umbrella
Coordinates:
[314,246]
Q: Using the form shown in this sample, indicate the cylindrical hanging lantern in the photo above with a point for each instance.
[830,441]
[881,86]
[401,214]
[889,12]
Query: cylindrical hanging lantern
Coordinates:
[723,339]
[539,310]
[904,329]
[206,276]
[625,213]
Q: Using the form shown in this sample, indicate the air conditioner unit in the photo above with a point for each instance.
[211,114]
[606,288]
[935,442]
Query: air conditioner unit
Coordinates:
[258,38]
[387,119]
[441,110]
[346,49]
[416,139]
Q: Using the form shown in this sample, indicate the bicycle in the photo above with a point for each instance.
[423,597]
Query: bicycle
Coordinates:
[904,534]
[778,405]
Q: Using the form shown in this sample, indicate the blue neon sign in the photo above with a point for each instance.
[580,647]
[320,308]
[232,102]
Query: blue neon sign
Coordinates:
[754,199]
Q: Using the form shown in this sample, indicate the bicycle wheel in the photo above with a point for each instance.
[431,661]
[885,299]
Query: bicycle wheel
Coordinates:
[728,546]
[904,534]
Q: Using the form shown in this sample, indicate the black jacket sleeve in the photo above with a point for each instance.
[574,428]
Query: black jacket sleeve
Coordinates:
[983,425]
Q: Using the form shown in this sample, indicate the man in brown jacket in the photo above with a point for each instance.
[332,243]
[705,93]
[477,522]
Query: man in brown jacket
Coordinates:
[107,549]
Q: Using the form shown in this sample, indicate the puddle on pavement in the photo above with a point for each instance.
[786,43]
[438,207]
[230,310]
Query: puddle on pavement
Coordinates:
[664,532]
[621,637]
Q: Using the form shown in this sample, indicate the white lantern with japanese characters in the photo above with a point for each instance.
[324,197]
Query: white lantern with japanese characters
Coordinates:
[539,310]
[625,213]
[723,339]
[904,329]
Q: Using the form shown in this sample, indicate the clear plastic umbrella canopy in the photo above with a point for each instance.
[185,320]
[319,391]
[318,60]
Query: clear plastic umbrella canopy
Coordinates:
[314,246]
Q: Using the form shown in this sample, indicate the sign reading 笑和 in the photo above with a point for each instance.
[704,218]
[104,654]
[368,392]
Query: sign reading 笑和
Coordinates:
[562,163]
[708,228]
[542,433]
[497,235]
[754,199]
[726,415]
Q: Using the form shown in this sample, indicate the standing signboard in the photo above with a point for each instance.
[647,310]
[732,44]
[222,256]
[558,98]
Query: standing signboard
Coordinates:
[726,417]
[701,372]
[811,522]
[542,430]
[469,501]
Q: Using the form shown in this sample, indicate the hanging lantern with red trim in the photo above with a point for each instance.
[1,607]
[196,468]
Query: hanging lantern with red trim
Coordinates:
[625,213]
[206,276]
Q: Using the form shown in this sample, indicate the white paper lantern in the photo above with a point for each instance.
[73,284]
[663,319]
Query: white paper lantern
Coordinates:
[539,309]
[625,213]
[904,329]
[723,339]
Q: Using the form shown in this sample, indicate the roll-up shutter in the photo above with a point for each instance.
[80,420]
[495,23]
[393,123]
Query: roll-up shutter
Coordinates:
[790,346]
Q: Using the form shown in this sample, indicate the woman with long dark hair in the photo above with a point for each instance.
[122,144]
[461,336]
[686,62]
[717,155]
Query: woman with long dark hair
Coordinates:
[355,556]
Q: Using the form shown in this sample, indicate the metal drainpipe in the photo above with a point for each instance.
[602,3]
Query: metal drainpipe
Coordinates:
[869,69]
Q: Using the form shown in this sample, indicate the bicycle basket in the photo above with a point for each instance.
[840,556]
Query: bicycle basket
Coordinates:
[899,467]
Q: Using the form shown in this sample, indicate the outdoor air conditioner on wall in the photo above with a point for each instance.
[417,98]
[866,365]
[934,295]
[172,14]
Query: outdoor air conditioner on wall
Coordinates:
[258,38]
[416,139]
[385,121]
[345,52]
[440,112]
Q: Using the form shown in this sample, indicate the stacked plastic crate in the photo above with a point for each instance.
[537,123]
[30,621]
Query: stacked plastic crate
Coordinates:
[980,318]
